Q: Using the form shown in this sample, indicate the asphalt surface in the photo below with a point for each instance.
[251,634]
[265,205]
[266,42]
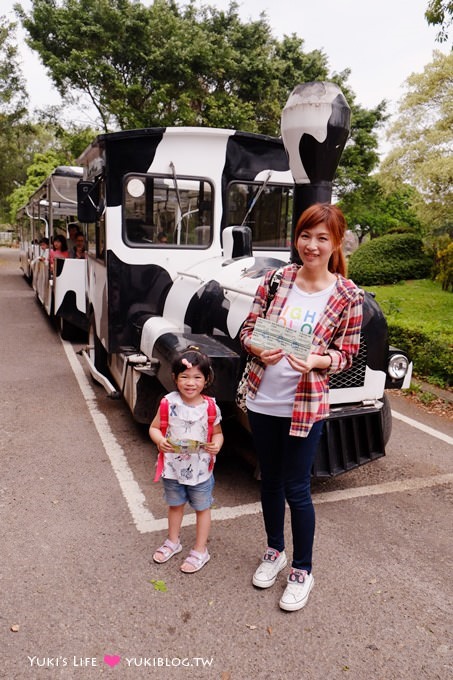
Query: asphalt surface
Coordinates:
[82,598]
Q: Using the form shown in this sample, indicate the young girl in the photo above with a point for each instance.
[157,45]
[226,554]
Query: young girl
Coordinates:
[188,456]
[287,397]
[60,249]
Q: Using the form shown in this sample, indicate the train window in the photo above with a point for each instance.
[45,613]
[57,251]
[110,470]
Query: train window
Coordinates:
[266,208]
[163,211]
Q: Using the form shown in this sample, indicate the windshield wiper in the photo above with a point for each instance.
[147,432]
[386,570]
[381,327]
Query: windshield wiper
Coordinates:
[256,197]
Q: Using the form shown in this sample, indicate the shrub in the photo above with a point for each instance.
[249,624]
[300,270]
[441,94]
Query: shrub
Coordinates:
[389,259]
[429,350]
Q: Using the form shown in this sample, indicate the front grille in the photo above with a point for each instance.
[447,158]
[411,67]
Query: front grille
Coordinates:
[354,376]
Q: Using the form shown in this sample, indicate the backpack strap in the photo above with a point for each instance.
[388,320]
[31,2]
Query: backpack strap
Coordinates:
[163,416]
[212,413]
[274,283]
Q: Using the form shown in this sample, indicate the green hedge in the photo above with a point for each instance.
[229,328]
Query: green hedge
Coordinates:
[431,353]
[389,259]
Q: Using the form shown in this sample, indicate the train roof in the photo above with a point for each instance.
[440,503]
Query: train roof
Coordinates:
[108,138]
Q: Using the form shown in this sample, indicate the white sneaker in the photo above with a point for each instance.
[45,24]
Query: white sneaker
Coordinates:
[300,583]
[272,563]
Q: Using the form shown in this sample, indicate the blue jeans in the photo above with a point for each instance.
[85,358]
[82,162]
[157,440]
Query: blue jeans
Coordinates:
[286,464]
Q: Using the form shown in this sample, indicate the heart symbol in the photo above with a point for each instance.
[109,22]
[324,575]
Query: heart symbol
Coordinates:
[111,660]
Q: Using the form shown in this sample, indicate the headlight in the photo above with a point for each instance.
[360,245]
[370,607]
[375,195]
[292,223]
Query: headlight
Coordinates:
[398,365]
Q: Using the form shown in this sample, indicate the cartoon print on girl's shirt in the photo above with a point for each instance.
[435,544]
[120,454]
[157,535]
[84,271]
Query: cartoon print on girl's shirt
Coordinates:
[188,424]
[187,473]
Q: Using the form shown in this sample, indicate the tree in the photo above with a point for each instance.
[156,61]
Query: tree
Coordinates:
[161,65]
[16,133]
[55,146]
[423,138]
[41,166]
[440,13]
[373,210]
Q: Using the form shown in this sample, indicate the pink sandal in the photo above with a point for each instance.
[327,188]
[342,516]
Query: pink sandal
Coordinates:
[166,550]
[195,561]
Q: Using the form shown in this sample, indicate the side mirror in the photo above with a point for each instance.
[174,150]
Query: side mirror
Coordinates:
[87,201]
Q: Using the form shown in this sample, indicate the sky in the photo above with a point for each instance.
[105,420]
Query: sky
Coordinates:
[381,42]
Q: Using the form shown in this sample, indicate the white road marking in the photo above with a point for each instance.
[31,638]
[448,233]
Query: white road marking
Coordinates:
[131,491]
[424,428]
[145,521]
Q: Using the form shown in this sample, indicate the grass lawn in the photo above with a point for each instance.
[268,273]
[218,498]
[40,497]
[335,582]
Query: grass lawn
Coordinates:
[421,304]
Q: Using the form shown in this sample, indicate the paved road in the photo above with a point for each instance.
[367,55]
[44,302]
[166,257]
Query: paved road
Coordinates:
[80,518]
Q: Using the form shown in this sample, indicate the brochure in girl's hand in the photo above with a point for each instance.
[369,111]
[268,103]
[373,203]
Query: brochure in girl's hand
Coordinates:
[186,445]
[271,335]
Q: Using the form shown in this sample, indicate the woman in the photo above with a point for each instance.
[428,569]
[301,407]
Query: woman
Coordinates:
[287,398]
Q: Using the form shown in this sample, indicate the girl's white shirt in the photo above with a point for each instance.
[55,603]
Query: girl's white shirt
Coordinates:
[186,426]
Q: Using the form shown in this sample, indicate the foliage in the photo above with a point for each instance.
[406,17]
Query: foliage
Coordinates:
[431,352]
[422,140]
[43,164]
[440,13]
[58,146]
[360,155]
[420,322]
[16,133]
[377,210]
[164,65]
[389,259]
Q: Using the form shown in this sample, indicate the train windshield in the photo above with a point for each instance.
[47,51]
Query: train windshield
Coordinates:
[266,208]
[170,211]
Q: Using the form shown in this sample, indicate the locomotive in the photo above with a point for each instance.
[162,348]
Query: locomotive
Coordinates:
[181,225]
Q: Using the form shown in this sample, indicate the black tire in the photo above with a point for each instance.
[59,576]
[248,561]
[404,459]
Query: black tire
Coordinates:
[386,419]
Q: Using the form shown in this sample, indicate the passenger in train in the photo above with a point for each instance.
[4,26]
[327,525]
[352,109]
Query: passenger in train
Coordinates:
[78,252]
[73,230]
[60,249]
[188,435]
[287,398]
[44,248]
[43,255]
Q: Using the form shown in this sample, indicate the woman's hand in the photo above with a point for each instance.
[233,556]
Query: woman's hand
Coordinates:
[319,361]
[270,357]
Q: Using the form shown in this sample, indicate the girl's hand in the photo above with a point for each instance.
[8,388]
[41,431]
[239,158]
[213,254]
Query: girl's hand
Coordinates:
[165,446]
[212,448]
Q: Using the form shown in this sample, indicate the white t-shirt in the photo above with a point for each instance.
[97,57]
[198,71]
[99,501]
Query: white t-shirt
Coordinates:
[187,430]
[277,389]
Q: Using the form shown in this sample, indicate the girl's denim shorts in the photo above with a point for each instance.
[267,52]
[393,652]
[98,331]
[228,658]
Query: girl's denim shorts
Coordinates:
[198,496]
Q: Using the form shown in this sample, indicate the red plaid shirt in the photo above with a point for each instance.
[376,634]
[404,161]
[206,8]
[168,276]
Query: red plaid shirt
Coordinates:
[337,333]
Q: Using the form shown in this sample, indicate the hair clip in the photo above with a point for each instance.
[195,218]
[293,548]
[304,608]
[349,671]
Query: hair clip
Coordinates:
[186,363]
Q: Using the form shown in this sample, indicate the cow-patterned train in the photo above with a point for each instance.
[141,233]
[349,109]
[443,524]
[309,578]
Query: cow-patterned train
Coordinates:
[181,224]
